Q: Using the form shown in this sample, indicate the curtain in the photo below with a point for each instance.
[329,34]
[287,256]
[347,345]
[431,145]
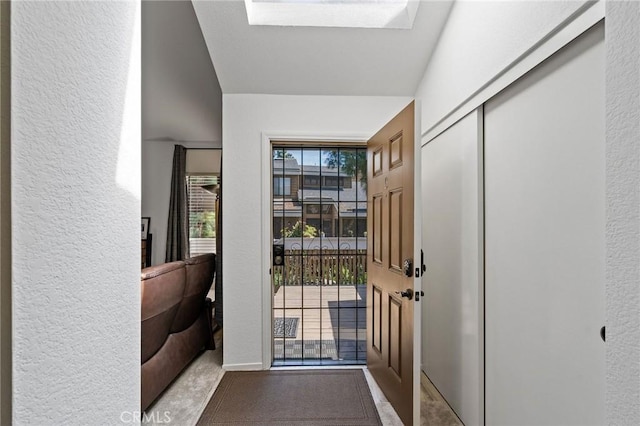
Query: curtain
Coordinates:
[178,225]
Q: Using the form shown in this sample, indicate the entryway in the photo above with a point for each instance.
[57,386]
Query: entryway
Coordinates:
[319,272]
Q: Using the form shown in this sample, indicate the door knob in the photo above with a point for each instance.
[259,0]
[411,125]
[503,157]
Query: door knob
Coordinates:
[408,293]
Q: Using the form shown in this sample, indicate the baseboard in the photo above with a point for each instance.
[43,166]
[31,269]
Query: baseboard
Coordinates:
[252,366]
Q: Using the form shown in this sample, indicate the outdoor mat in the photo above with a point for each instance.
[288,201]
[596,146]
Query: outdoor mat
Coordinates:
[291,397]
[285,327]
[304,349]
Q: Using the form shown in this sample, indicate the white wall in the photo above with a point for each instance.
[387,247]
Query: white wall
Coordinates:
[76,211]
[157,165]
[245,118]
[479,41]
[622,45]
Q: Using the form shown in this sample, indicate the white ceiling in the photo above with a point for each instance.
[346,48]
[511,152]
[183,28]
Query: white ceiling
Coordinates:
[181,97]
[316,60]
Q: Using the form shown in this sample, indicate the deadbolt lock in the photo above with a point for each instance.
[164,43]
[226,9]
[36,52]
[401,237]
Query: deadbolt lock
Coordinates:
[407,267]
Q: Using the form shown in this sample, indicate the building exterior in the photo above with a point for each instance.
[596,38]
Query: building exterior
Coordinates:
[331,201]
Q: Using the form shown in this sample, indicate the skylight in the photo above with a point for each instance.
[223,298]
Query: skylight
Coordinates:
[398,14]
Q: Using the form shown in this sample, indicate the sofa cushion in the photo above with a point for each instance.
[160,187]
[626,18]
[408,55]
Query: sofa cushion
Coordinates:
[199,277]
[162,290]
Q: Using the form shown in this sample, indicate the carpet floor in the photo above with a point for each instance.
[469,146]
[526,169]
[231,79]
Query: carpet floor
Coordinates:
[298,397]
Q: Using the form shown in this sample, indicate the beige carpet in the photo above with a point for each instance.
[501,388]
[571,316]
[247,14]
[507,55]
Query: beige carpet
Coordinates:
[299,397]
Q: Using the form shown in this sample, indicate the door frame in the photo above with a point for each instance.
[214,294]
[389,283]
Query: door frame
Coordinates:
[417,256]
[265,210]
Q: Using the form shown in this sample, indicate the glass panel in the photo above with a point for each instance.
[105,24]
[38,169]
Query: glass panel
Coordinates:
[348,292]
[360,172]
[277,280]
[293,330]
[328,349]
[347,343]
[310,172]
[361,278]
[278,339]
[361,322]
[361,216]
[311,330]
[312,291]
[291,296]
[278,219]
[347,220]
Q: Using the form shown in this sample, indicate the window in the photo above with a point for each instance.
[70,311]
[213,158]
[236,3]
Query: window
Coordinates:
[312,181]
[331,181]
[281,186]
[202,203]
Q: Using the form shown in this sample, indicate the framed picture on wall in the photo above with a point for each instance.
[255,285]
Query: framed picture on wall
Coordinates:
[145,227]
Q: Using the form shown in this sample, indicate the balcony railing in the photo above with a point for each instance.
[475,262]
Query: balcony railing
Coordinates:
[322,267]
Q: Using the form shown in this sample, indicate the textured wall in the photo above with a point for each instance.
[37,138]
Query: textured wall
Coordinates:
[480,40]
[245,117]
[76,211]
[622,40]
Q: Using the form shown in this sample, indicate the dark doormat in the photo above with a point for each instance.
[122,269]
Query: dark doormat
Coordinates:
[298,397]
[285,327]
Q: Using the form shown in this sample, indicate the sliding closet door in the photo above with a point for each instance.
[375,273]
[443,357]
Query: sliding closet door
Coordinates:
[452,243]
[545,223]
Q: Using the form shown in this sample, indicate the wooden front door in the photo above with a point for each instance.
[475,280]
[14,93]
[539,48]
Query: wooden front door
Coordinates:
[391,267]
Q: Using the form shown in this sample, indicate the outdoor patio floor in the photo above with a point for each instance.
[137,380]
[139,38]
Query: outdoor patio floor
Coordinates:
[331,324]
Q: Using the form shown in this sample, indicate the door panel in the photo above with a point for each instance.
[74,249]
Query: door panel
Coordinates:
[395,230]
[376,235]
[545,224]
[391,186]
[376,324]
[395,333]
[452,237]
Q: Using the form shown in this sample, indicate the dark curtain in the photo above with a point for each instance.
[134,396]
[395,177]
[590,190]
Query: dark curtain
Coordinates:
[178,225]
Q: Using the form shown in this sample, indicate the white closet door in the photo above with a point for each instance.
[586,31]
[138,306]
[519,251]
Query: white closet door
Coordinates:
[545,226]
[452,242]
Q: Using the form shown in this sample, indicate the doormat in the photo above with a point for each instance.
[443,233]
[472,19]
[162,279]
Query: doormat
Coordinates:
[304,349]
[300,397]
[285,327]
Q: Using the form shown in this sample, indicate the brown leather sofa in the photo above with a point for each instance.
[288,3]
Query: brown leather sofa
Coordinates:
[176,320]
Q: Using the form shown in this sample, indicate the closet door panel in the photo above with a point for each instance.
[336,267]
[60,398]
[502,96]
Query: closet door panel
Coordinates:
[452,242]
[544,235]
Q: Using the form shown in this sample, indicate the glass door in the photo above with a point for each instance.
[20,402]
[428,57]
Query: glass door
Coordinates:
[319,225]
